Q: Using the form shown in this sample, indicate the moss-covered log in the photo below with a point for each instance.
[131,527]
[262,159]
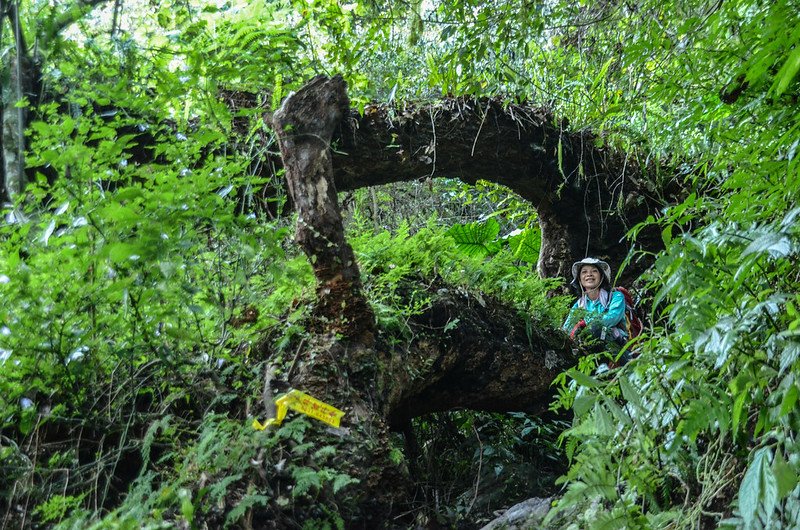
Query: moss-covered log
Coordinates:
[467,354]
[587,197]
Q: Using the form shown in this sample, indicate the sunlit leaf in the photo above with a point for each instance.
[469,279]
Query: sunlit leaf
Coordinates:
[476,239]
[777,245]
[583,379]
[787,72]
[48,231]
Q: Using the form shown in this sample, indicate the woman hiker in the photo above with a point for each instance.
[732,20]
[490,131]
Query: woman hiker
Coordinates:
[599,312]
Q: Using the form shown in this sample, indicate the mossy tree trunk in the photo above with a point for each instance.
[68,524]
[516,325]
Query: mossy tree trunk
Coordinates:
[339,364]
[587,196]
[471,355]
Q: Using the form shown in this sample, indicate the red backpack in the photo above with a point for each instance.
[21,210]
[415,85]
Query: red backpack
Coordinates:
[633,324]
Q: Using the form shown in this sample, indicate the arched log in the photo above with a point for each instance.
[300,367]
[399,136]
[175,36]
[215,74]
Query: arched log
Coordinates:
[587,197]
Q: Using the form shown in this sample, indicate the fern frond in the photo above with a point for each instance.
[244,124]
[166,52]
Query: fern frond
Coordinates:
[150,436]
[305,479]
[247,502]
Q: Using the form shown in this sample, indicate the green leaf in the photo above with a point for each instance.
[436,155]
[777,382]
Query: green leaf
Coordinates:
[118,212]
[560,153]
[603,71]
[790,353]
[787,72]
[738,407]
[759,487]
[341,480]
[247,502]
[617,412]
[27,421]
[603,422]
[48,231]
[306,479]
[128,193]
[582,378]
[785,476]
[187,507]
[789,399]
[120,252]
[776,244]
[582,404]
[666,235]
[525,245]
[476,239]
[630,393]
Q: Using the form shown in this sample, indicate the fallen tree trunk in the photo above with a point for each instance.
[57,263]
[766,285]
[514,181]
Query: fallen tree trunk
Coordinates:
[587,197]
[486,361]
[467,354]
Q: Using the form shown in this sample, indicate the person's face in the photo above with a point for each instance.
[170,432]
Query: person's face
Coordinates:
[590,277]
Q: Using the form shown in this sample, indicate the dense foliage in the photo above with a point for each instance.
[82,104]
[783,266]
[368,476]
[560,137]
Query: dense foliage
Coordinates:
[145,276]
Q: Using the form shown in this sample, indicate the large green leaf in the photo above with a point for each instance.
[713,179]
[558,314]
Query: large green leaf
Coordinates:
[787,72]
[476,239]
[526,245]
[759,488]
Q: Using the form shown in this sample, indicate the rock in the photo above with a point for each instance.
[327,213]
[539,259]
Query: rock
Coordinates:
[526,515]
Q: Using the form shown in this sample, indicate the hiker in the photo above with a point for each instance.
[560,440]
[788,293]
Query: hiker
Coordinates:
[600,310]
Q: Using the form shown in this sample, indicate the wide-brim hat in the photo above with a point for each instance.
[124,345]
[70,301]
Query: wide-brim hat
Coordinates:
[600,264]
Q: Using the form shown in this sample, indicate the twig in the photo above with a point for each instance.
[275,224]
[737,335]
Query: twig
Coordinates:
[480,465]
[266,395]
[294,361]
[483,119]
[433,130]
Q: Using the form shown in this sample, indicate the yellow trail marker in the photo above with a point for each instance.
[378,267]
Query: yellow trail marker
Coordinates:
[301,402]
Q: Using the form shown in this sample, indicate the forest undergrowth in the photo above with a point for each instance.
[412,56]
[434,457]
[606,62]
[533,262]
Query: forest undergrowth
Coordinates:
[147,272]
[149,322]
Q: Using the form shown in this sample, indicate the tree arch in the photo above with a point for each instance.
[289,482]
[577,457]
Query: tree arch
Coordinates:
[488,361]
[587,197]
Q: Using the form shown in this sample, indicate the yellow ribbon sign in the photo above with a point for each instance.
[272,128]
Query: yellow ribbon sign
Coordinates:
[301,402]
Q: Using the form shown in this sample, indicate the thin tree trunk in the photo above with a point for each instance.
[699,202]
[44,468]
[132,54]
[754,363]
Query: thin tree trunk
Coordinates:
[305,125]
[25,81]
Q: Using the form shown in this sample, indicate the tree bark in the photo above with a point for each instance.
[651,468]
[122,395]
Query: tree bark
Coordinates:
[304,125]
[24,81]
[586,197]
[340,364]
[474,353]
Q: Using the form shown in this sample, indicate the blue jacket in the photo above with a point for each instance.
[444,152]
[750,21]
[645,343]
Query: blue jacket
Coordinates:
[608,310]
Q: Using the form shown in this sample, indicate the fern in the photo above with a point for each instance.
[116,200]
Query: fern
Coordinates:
[247,502]
[323,453]
[246,33]
[150,435]
[612,521]
[305,480]
[219,490]
[341,480]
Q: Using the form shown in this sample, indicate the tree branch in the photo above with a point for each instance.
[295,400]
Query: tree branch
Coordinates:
[70,15]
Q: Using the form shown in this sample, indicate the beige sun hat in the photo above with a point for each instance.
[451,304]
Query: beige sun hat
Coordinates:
[600,264]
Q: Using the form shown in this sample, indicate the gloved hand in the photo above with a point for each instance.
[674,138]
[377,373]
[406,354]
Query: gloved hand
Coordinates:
[578,327]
